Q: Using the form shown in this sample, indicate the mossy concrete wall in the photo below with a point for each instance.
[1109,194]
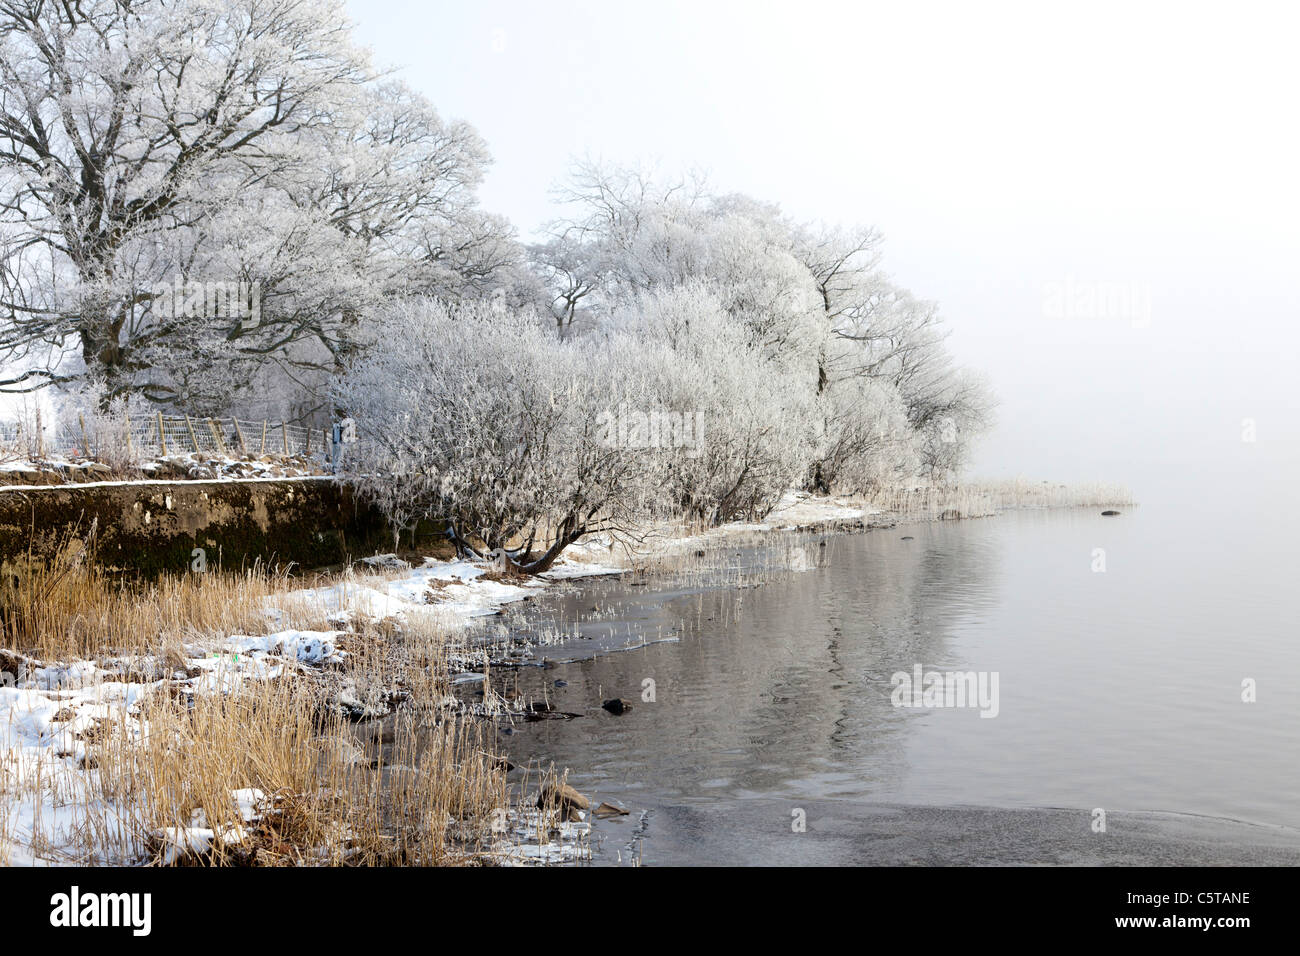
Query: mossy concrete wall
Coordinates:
[154,527]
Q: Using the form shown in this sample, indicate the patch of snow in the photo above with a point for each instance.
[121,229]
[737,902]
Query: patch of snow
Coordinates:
[308,647]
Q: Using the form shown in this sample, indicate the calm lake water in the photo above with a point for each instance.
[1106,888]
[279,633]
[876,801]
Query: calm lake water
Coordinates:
[1118,689]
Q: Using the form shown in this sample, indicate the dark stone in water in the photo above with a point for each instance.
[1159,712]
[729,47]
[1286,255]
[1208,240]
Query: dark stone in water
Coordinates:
[908,537]
[699,554]
[562,797]
[616,705]
[1108,514]
[561,683]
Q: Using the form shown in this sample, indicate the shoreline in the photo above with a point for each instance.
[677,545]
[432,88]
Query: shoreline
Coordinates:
[50,709]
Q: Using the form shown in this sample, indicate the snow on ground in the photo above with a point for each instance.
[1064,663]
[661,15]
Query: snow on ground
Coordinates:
[797,509]
[49,713]
[308,647]
[59,472]
[451,593]
[159,481]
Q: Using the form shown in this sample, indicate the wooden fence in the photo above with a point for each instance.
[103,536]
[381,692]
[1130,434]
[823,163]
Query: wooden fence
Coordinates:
[160,435]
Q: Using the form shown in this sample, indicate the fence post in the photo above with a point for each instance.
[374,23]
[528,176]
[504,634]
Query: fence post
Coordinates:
[243,445]
[130,453]
[162,436]
[263,451]
[284,437]
[216,434]
[85,442]
[193,437]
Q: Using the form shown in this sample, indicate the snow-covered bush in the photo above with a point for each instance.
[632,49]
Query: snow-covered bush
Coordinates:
[486,422]
[862,437]
[755,414]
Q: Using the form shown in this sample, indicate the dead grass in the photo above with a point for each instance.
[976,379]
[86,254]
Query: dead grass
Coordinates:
[421,791]
[71,608]
[984,498]
[425,798]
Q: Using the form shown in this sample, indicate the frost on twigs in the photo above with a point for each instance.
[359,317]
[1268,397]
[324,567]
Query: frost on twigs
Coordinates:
[486,424]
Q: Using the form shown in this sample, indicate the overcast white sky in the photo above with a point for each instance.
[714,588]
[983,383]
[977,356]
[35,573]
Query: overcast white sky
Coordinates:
[1003,150]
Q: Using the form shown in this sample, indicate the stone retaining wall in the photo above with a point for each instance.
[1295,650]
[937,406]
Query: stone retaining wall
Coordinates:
[154,527]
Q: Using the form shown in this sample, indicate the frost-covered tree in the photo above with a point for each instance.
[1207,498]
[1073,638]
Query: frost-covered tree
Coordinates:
[124,122]
[862,439]
[481,419]
[825,318]
[204,144]
[948,413]
[752,420]
[710,355]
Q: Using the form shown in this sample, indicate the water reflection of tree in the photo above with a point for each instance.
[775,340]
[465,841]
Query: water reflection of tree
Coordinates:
[808,663]
[784,683]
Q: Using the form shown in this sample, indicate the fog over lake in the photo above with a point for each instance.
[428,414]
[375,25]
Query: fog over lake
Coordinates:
[1103,206]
